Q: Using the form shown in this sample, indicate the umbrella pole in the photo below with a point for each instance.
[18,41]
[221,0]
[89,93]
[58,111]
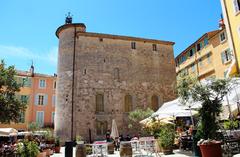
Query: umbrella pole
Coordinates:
[229,108]
[191,116]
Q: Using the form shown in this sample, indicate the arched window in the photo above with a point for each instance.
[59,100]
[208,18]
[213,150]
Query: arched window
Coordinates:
[128,103]
[99,103]
[154,103]
[101,127]
[116,74]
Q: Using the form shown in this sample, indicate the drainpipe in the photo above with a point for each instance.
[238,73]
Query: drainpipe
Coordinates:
[73,79]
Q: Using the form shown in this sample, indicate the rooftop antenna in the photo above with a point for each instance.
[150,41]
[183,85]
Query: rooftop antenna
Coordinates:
[68,19]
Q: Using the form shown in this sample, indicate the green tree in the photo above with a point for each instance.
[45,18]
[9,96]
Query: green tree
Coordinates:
[10,107]
[210,93]
[136,116]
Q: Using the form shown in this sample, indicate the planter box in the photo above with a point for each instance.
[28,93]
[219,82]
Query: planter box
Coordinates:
[211,150]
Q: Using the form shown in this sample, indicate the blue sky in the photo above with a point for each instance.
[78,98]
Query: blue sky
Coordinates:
[27,27]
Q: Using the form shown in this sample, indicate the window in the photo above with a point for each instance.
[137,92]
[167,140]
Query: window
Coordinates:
[116,74]
[155,103]
[53,115]
[133,45]
[225,73]
[40,118]
[205,41]
[41,99]
[226,56]
[99,103]
[154,47]
[26,82]
[42,83]
[101,127]
[209,58]
[128,106]
[21,118]
[84,71]
[54,84]
[184,58]
[199,46]
[101,39]
[236,4]
[222,37]
[53,100]
[191,53]
[24,98]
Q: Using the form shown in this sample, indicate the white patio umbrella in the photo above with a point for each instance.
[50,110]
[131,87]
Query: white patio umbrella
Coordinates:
[8,132]
[172,109]
[114,131]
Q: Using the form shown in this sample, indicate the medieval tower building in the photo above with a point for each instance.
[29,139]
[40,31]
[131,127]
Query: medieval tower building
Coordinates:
[103,77]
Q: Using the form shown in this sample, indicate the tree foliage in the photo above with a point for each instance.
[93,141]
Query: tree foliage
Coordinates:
[10,107]
[136,116]
[210,93]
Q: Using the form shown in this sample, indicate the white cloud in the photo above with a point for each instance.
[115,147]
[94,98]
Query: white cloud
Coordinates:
[24,53]
[45,62]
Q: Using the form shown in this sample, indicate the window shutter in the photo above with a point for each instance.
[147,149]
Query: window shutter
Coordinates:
[29,82]
[229,54]
[45,99]
[223,57]
[53,100]
[42,118]
[239,31]
[36,99]
[236,9]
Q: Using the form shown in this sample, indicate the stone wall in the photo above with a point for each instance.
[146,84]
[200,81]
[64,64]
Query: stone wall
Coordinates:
[142,74]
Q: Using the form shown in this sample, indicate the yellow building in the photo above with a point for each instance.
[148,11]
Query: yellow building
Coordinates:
[23,78]
[231,13]
[209,56]
[38,92]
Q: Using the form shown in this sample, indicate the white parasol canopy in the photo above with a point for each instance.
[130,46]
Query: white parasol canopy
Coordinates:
[114,131]
[8,132]
[172,109]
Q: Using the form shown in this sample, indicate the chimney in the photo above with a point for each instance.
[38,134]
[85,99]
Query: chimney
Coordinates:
[31,70]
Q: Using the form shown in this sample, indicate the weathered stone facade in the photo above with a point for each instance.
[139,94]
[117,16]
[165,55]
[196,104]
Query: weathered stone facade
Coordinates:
[107,64]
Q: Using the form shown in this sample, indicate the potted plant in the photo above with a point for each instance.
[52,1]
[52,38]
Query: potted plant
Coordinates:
[79,139]
[57,145]
[166,138]
[210,93]
[27,149]
[48,135]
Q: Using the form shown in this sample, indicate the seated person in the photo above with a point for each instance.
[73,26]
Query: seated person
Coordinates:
[190,130]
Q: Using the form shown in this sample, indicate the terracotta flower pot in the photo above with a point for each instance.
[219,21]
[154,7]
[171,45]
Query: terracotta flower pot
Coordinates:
[47,151]
[167,151]
[211,150]
[42,154]
[57,149]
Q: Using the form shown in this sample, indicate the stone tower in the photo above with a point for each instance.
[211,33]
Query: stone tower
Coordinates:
[103,77]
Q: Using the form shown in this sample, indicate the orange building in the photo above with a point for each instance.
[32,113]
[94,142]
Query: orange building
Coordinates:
[38,91]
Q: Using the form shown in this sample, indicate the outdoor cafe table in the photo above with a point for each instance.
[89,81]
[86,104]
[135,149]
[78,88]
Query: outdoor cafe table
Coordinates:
[147,144]
[99,147]
[135,145]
